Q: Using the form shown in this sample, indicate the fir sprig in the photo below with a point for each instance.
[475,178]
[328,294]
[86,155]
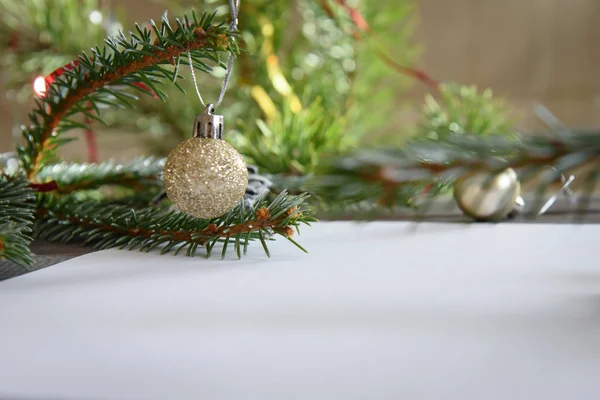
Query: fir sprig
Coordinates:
[138,62]
[463,109]
[294,143]
[108,226]
[396,177]
[135,174]
[16,220]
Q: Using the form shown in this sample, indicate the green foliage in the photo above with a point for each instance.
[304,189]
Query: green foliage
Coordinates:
[365,175]
[294,143]
[322,62]
[319,53]
[301,51]
[38,36]
[137,174]
[463,109]
[312,70]
[105,226]
[73,203]
[16,220]
[376,92]
[112,74]
[401,177]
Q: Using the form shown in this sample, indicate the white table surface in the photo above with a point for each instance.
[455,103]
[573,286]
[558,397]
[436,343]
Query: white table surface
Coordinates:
[375,311]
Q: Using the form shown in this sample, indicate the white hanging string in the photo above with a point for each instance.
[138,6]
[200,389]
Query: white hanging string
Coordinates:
[234,6]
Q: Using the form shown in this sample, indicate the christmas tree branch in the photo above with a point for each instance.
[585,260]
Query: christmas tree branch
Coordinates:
[309,134]
[138,62]
[16,220]
[70,177]
[398,176]
[109,226]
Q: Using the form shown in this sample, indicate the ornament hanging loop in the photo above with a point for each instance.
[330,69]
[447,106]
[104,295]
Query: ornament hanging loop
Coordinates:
[208,125]
[234,6]
[209,109]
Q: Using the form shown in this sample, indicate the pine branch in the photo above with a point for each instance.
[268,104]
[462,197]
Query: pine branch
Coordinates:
[109,226]
[70,177]
[137,62]
[294,143]
[463,109]
[16,220]
[396,176]
[38,36]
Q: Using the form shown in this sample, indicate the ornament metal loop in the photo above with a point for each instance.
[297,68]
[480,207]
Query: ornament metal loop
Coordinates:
[208,125]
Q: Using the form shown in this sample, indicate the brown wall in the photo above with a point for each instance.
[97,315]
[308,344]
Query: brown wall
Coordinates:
[529,51]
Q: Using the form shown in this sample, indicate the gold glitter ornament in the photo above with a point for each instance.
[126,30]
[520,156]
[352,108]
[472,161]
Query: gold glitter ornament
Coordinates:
[204,176]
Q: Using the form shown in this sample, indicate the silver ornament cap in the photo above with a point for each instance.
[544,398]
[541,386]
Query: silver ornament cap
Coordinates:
[488,196]
[208,125]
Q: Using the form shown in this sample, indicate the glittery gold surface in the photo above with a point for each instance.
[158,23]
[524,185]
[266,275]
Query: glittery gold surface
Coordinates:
[205,178]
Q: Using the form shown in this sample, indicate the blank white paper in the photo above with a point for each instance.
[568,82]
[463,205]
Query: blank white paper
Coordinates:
[383,310]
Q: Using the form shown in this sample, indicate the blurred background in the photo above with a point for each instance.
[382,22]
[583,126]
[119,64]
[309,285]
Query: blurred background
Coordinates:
[528,52]
[537,51]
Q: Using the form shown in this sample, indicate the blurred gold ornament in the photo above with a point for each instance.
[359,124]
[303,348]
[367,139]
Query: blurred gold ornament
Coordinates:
[487,196]
[204,176]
